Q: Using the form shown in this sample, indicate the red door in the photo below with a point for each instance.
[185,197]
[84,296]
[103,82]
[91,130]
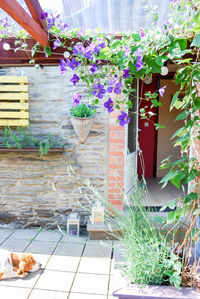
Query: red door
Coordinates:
[147,133]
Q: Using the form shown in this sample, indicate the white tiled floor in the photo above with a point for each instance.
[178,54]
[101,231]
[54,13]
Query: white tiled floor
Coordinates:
[72,268]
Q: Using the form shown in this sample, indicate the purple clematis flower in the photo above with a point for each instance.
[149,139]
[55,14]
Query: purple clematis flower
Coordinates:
[77,98]
[109,105]
[43,15]
[162,91]
[63,26]
[63,66]
[125,73]
[139,63]
[99,90]
[127,51]
[73,64]
[93,68]
[123,118]
[114,85]
[75,79]
[56,44]
[78,49]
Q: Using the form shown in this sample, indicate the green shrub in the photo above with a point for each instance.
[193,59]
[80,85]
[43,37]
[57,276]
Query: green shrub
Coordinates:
[82,110]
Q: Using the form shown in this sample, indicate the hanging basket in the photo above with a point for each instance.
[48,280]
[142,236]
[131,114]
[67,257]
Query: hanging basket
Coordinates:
[82,126]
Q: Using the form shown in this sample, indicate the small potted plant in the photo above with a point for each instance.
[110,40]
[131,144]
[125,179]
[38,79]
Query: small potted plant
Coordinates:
[82,117]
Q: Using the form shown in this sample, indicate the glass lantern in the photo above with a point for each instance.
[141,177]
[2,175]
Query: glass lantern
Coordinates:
[73,224]
[97,213]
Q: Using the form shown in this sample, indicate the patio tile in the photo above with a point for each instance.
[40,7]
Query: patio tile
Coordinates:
[117,281]
[49,236]
[94,265]
[63,263]
[44,294]
[15,245]
[13,292]
[97,251]
[90,283]
[67,249]
[22,234]
[86,296]
[41,247]
[55,280]
[27,282]
[67,239]
[4,234]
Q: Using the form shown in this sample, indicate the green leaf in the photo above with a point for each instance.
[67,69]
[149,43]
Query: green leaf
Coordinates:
[174,99]
[182,115]
[176,181]
[191,196]
[196,41]
[105,53]
[48,51]
[169,176]
[183,44]
[171,217]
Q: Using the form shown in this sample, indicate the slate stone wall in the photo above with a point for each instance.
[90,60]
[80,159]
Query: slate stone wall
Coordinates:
[41,191]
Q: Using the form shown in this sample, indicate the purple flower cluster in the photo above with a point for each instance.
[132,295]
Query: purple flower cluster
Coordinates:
[127,51]
[90,50]
[53,20]
[142,33]
[109,105]
[56,43]
[77,98]
[139,63]
[125,73]
[114,85]
[74,79]
[98,90]
[93,68]
[73,64]
[123,118]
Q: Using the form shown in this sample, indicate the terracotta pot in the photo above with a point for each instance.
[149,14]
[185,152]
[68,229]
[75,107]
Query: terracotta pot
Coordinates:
[82,126]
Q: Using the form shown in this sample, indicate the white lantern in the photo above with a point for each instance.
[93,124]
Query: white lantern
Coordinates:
[97,213]
[73,224]
[164,70]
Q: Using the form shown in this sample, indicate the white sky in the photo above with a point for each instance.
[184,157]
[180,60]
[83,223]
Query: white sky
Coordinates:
[50,5]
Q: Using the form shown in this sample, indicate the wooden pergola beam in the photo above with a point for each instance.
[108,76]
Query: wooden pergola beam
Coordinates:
[18,13]
[36,10]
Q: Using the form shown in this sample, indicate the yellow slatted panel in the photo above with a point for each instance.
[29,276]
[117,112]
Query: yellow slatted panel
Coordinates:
[14,96]
[10,114]
[13,79]
[14,104]
[9,87]
[14,122]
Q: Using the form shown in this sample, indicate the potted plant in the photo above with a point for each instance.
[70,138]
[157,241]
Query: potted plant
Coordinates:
[82,117]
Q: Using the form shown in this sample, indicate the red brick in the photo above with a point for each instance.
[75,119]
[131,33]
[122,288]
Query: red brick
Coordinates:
[115,128]
[116,153]
[116,140]
[120,147]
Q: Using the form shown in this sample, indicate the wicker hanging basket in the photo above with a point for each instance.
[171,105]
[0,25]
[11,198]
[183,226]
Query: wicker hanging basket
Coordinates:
[82,126]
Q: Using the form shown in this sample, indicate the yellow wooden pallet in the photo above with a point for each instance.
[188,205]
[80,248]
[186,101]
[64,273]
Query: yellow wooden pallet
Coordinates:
[14,105]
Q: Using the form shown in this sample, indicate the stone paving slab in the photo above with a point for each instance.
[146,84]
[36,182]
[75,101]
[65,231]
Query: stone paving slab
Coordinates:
[15,245]
[41,247]
[55,281]
[49,236]
[8,292]
[91,284]
[94,265]
[68,249]
[97,251]
[63,263]
[4,234]
[86,296]
[44,294]
[21,234]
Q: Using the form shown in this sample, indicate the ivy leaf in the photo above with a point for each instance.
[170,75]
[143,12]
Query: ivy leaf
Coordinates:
[191,196]
[196,41]
[105,53]
[183,44]
[182,115]
[176,181]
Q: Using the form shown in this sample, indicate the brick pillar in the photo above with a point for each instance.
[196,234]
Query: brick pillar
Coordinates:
[116,162]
